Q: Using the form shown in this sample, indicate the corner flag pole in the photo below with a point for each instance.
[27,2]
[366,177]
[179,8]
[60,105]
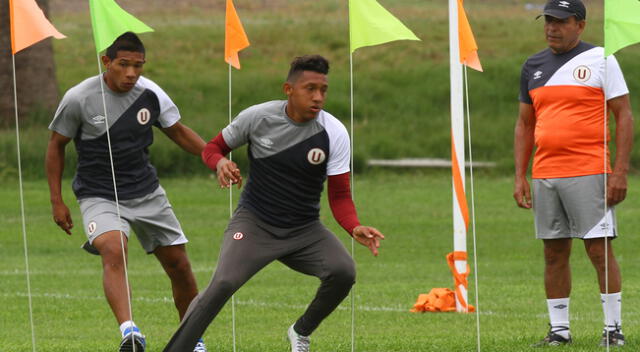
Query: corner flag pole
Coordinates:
[460,211]
[233,297]
[22,216]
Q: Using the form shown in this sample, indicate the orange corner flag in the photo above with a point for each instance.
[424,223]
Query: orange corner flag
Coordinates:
[29,25]
[468,46]
[235,39]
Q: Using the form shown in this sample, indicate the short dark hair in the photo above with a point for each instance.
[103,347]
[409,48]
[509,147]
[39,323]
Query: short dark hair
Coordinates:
[126,42]
[315,63]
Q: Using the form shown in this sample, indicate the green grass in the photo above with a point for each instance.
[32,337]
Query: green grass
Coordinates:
[413,209]
[401,97]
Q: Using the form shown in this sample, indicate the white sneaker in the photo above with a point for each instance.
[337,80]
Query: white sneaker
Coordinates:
[200,347]
[299,343]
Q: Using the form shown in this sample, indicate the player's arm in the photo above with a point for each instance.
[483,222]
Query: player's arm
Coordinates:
[617,181]
[213,155]
[54,166]
[522,148]
[344,211]
[185,137]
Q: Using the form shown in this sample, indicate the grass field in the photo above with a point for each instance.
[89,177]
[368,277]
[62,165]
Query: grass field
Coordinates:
[412,208]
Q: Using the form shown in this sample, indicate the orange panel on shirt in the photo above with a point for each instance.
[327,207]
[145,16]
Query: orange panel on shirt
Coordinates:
[569,131]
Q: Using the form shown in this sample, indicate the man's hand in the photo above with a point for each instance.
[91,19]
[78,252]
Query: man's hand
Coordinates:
[62,217]
[228,173]
[616,188]
[522,193]
[369,237]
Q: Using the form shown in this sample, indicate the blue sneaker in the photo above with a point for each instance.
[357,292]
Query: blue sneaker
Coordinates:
[200,347]
[133,341]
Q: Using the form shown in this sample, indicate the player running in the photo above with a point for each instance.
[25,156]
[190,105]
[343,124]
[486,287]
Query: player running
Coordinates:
[294,145]
[134,105]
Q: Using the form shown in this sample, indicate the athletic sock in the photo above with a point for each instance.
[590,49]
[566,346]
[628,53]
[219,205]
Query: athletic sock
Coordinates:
[559,316]
[126,325]
[612,308]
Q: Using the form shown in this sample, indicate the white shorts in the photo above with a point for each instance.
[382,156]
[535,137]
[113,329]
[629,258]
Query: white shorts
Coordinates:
[572,207]
[151,218]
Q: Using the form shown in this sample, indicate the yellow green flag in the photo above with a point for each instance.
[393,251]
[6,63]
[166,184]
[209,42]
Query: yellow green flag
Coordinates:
[371,24]
[109,21]
[621,24]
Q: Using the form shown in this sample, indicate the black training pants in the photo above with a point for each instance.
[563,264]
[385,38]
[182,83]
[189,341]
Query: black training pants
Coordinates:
[249,245]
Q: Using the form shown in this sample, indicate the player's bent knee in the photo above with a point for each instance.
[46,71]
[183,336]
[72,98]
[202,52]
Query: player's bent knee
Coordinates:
[344,275]
[225,287]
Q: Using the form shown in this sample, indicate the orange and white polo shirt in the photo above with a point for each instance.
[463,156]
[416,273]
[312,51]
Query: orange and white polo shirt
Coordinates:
[567,92]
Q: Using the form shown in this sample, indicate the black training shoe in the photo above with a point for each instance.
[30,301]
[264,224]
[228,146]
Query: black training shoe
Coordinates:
[553,339]
[614,338]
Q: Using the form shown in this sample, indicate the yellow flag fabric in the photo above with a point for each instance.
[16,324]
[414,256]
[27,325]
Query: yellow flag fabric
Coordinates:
[621,24]
[109,21]
[29,25]
[371,24]
[235,39]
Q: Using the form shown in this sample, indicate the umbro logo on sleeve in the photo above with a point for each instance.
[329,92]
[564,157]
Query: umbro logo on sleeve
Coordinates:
[99,119]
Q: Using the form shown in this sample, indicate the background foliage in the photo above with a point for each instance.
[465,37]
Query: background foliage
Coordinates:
[401,88]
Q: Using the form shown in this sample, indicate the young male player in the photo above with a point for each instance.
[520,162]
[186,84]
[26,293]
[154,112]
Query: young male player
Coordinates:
[134,104]
[562,97]
[294,145]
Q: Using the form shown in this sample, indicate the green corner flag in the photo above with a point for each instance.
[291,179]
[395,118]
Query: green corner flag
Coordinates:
[109,21]
[621,24]
[371,24]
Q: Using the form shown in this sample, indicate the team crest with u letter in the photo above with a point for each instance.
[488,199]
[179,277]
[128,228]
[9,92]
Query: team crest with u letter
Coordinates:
[581,73]
[92,227]
[144,116]
[316,156]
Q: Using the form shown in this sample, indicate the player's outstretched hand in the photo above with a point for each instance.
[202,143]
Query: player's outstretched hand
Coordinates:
[228,173]
[369,237]
[62,217]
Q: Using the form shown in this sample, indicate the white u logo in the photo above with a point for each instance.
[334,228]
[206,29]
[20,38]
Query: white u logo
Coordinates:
[316,156]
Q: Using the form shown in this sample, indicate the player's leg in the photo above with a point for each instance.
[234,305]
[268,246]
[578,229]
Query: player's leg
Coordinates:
[557,271]
[160,233]
[585,206]
[611,296]
[113,268]
[176,264]
[104,229]
[245,250]
[595,250]
[552,226]
[329,260]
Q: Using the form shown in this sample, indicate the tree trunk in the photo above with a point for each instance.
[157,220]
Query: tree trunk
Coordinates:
[37,86]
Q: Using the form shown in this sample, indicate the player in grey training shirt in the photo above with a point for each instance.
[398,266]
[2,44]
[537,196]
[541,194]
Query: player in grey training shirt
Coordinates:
[294,146]
[134,105]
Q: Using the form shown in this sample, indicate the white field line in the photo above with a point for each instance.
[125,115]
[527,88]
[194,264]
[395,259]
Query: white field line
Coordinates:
[629,316]
[91,272]
[251,302]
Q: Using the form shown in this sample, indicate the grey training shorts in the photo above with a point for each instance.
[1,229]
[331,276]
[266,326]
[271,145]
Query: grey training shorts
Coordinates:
[572,207]
[151,218]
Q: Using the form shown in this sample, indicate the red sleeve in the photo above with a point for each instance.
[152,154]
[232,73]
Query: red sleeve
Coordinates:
[341,203]
[215,150]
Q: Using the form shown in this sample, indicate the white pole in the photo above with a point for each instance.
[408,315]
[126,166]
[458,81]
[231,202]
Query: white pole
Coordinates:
[457,133]
[24,220]
[233,297]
